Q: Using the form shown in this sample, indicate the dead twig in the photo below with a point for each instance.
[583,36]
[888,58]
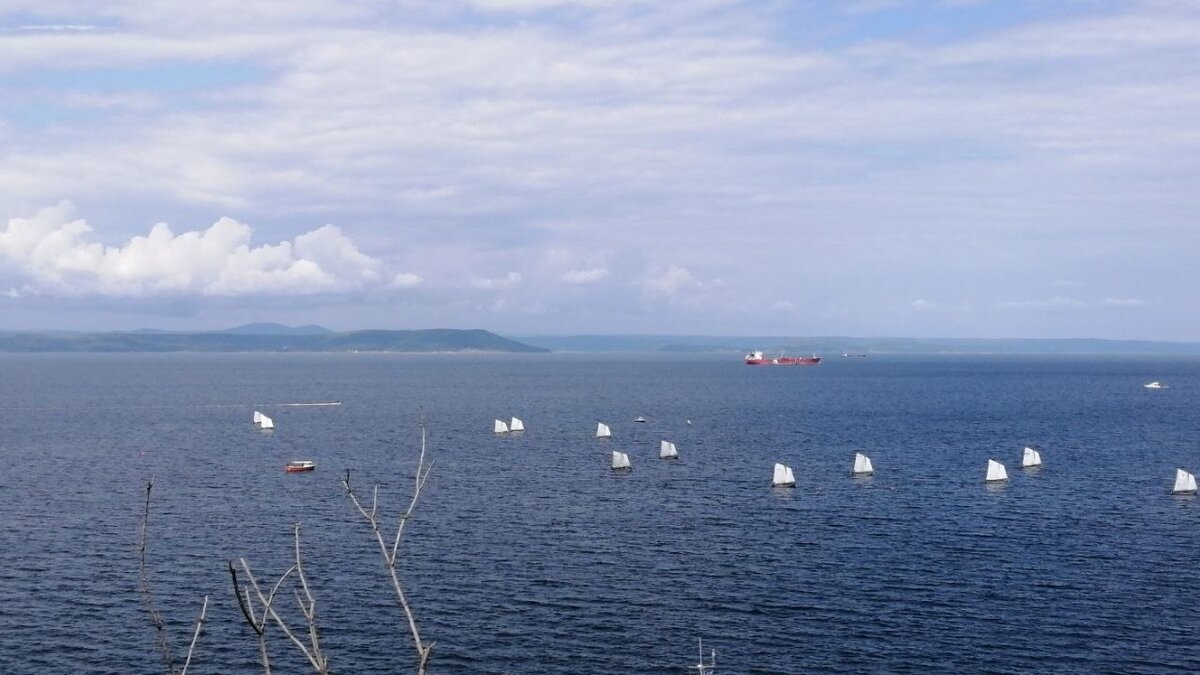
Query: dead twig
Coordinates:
[391,553]
[258,622]
[160,627]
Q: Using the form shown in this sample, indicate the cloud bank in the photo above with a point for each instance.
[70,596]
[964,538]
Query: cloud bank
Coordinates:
[55,254]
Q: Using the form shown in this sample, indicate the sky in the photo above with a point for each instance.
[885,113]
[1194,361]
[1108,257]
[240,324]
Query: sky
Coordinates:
[918,168]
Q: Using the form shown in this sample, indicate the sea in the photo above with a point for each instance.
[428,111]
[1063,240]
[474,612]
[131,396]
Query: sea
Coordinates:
[526,553]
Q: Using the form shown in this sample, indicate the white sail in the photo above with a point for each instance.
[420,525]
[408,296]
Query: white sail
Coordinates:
[783,476]
[862,464]
[602,430]
[1185,483]
[620,460]
[257,417]
[266,422]
[516,424]
[500,427]
[666,450]
[996,471]
[1031,458]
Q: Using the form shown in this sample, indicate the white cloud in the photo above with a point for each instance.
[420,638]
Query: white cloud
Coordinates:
[56,256]
[499,283]
[585,276]
[1058,302]
[406,280]
[1124,302]
[672,281]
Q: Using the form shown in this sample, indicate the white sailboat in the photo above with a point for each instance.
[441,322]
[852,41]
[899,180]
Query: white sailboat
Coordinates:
[257,418]
[516,424]
[602,430]
[1153,385]
[620,461]
[500,427]
[996,472]
[666,450]
[862,465]
[703,668]
[1031,458]
[266,422]
[783,476]
[1185,483]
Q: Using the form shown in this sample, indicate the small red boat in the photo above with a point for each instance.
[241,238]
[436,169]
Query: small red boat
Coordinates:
[757,358]
[300,465]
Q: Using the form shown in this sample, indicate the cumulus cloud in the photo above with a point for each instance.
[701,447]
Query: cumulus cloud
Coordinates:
[406,280]
[55,255]
[585,276]
[1058,302]
[674,280]
[499,283]
[1124,302]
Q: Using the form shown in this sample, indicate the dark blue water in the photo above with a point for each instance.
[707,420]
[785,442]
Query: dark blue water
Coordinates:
[528,555]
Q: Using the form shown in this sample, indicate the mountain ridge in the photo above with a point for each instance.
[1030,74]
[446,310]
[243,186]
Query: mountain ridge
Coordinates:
[426,340]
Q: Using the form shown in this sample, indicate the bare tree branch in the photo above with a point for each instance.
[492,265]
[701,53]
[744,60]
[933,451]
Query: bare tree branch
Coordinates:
[160,628]
[306,601]
[195,636]
[390,555]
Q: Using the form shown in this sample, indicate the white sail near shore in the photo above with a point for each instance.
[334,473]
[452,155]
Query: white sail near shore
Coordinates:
[620,460]
[500,427]
[516,424]
[666,450]
[996,472]
[266,422]
[1031,458]
[1185,483]
[602,430]
[862,465]
[783,476]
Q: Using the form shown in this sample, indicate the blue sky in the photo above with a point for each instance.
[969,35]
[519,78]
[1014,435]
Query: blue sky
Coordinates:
[958,168]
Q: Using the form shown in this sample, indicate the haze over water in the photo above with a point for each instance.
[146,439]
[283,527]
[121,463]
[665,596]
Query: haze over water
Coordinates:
[528,555]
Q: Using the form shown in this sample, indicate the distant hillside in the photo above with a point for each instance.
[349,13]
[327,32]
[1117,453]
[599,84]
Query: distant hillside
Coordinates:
[833,345]
[275,329]
[434,340]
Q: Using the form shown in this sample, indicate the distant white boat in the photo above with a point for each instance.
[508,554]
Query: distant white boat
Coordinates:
[1185,483]
[500,427]
[703,668]
[1031,458]
[1154,385]
[639,419]
[862,465]
[602,430]
[516,424]
[996,472]
[266,422]
[666,450]
[783,477]
[620,461]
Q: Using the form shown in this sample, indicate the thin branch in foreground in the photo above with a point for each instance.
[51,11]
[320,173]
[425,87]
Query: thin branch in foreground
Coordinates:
[312,651]
[160,628]
[390,555]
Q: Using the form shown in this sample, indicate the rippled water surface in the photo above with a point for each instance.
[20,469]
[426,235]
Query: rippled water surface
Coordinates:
[528,555]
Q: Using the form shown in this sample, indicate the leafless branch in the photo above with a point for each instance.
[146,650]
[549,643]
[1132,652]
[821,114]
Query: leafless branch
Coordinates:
[160,628]
[195,636]
[390,555]
[304,598]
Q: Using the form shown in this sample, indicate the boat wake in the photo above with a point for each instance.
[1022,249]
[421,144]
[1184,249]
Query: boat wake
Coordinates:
[299,405]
